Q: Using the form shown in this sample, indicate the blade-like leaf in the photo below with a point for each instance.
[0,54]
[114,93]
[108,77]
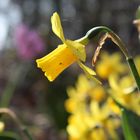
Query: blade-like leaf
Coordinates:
[138,13]
[8,135]
[130,125]
[7,138]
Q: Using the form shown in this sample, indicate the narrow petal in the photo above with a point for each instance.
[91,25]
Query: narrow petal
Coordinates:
[86,69]
[77,48]
[89,72]
[57,27]
[126,89]
[56,61]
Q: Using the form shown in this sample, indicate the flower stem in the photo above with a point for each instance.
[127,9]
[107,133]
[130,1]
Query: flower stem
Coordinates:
[14,117]
[27,133]
[134,71]
[7,94]
[14,80]
[116,39]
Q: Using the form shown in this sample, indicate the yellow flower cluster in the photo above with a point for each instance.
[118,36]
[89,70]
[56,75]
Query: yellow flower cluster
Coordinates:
[93,113]
[91,116]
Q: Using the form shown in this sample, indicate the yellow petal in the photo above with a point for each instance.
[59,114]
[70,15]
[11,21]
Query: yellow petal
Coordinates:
[86,69]
[57,27]
[77,48]
[89,72]
[98,134]
[113,81]
[124,85]
[56,61]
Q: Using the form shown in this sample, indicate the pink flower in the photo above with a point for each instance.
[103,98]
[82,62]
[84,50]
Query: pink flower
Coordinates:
[28,42]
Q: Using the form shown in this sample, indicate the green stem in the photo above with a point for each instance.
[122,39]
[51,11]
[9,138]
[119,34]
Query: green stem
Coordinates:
[10,87]
[128,131]
[14,117]
[27,133]
[15,79]
[102,29]
[134,71]
[7,94]
[116,39]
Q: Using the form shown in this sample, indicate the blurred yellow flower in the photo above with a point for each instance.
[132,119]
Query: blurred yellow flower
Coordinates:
[94,114]
[92,118]
[76,129]
[98,93]
[85,91]
[99,124]
[2,126]
[124,90]
[113,106]
[64,55]
[109,64]
[98,134]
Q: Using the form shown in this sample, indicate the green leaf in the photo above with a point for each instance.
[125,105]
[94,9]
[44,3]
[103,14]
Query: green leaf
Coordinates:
[8,136]
[138,13]
[130,124]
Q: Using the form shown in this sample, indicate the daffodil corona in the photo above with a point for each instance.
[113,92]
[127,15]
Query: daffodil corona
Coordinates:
[64,55]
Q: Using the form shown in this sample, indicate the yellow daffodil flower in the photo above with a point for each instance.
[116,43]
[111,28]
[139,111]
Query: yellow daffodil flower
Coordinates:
[109,64]
[85,91]
[64,55]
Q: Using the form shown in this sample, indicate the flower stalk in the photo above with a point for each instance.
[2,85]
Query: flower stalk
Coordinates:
[96,31]
[14,117]
[134,71]
[14,80]
[102,29]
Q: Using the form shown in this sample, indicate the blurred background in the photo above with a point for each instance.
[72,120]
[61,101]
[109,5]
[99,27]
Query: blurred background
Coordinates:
[26,34]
